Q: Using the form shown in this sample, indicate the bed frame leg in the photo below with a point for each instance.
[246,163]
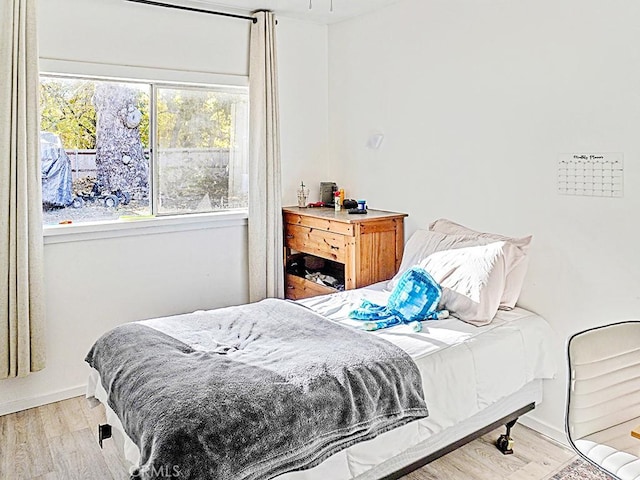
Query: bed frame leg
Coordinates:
[505,442]
[104,432]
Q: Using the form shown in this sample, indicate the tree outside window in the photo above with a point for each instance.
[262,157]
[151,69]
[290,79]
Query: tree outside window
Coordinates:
[106,153]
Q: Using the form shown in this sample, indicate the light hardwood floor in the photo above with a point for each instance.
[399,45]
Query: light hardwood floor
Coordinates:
[59,442]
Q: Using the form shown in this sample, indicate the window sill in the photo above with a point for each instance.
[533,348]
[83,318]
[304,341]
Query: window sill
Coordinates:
[144,226]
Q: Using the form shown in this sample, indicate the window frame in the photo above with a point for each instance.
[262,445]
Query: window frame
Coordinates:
[157,223]
[154,192]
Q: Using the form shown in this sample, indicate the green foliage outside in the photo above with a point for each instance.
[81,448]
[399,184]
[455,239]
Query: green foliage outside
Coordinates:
[186,118]
[193,120]
[189,120]
[66,109]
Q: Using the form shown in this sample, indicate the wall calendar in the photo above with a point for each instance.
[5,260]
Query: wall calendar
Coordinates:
[591,174]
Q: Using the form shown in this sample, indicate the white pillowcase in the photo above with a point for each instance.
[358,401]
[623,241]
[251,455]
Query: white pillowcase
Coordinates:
[472,279]
[425,242]
[443,225]
[516,267]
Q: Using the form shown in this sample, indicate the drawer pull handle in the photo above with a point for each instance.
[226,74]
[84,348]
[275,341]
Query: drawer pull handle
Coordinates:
[333,247]
[289,236]
[290,287]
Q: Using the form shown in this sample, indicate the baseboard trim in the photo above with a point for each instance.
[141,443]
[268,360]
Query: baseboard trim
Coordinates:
[545,429]
[39,400]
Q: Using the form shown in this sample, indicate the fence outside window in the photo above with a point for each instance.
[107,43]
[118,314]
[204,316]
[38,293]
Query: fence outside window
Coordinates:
[118,148]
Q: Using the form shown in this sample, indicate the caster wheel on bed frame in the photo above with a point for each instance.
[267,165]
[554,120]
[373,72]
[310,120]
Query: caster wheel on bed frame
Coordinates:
[104,432]
[505,444]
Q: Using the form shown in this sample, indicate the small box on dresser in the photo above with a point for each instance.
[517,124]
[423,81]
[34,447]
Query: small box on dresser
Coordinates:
[366,248]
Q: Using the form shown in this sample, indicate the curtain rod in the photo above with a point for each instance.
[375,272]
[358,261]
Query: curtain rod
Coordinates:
[191,9]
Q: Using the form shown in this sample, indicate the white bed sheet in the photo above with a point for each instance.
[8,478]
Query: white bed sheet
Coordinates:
[465,370]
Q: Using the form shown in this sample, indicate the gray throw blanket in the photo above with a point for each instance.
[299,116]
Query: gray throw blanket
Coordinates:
[251,392]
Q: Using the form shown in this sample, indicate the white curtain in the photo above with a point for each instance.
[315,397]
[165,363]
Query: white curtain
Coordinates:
[21,251]
[266,269]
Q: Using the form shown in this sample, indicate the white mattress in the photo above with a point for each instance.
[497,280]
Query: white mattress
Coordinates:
[470,374]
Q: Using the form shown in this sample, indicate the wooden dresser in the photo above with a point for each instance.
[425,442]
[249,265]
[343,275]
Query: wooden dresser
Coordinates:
[358,249]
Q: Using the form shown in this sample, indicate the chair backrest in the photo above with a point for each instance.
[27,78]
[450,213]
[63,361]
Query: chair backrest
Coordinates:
[604,378]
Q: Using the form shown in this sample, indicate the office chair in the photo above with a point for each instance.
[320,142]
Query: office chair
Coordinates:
[603,398]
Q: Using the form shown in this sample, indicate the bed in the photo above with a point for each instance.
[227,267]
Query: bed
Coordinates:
[475,376]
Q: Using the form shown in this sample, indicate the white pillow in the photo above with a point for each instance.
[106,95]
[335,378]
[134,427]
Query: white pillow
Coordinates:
[443,225]
[516,270]
[472,279]
[425,242]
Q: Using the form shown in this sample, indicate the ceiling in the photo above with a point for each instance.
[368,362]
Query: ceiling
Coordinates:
[320,13]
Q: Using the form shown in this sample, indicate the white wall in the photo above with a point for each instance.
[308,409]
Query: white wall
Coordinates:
[120,33]
[304,106]
[476,100]
[94,285]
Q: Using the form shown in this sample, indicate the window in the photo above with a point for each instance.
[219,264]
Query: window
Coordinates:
[202,138]
[114,149]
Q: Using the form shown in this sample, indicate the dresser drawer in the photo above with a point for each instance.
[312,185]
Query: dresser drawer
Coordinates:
[331,246]
[332,225]
[298,287]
